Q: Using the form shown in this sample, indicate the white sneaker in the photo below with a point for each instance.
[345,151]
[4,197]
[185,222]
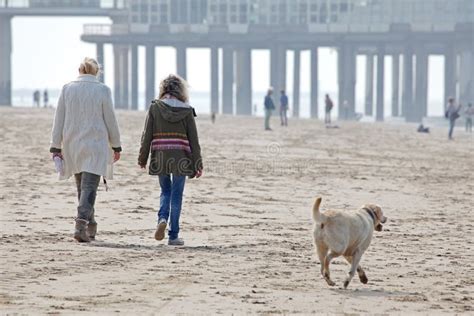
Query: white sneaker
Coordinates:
[160,230]
[176,242]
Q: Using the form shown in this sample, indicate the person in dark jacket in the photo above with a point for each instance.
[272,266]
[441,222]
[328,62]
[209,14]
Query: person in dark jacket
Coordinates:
[283,108]
[170,134]
[269,107]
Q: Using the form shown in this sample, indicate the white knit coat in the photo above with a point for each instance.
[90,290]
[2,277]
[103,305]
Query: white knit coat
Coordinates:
[85,128]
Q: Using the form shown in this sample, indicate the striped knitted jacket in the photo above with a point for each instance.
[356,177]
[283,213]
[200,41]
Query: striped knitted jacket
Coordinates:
[170,140]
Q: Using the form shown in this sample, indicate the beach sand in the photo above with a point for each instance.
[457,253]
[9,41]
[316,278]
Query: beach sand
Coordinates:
[247,223]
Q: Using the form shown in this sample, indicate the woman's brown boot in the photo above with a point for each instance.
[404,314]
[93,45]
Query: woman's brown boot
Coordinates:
[80,234]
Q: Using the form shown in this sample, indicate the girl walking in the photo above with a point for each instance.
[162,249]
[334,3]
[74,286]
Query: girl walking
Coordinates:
[171,136]
[86,137]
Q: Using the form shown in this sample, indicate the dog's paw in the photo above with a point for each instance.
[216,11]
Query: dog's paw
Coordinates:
[363,279]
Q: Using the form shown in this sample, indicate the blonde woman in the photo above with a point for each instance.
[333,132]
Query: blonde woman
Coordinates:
[86,137]
[170,134]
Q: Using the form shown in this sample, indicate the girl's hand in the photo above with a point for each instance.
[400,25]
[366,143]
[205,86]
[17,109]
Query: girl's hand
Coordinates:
[199,173]
[116,156]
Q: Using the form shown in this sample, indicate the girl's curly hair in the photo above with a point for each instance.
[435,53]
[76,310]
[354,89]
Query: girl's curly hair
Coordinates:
[175,86]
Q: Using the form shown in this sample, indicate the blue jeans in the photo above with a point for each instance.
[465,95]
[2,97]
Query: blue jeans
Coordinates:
[171,198]
[87,184]
[451,128]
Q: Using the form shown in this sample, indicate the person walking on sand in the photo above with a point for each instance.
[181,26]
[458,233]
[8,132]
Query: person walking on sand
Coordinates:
[269,107]
[170,134]
[452,114]
[36,98]
[86,137]
[328,109]
[469,113]
[283,108]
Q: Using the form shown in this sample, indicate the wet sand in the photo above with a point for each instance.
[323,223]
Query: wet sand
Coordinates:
[247,223]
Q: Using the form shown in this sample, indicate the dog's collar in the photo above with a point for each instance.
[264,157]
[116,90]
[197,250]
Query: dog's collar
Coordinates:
[371,213]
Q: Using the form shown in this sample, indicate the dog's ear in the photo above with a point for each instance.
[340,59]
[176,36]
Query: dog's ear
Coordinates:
[379,213]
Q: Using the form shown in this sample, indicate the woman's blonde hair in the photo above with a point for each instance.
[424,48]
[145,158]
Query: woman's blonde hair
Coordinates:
[175,86]
[89,67]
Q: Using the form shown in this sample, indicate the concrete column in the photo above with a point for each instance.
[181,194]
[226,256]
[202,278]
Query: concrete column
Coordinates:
[449,73]
[314,83]
[5,61]
[150,92]
[379,115]
[278,68]
[244,82]
[117,78]
[341,76]
[228,80]
[421,86]
[181,61]
[395,84]
[134,77]
[347,80]
[214,80]
[125,78]
[466,77]
[296,83]
[369,85]
[407,95]
[100,60]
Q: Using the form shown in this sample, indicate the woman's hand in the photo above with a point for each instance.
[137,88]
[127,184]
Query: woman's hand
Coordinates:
[199,173]
[116,156]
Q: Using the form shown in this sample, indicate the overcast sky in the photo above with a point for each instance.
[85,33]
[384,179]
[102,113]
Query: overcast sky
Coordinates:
[47,52]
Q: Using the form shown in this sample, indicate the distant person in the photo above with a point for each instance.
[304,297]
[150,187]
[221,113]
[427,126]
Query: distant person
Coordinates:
[452,114]
[469,113]
[423,129]
[170,134]
[328,109]
[269,107]
[45,98]
[36,98]
[213,117]
[283,108]
[86,137]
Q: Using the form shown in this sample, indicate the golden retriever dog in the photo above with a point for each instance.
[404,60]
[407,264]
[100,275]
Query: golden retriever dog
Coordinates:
[345,234]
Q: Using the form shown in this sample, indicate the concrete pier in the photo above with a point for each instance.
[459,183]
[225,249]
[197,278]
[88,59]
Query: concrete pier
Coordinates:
[347,80]
[134,77]
[278,69]
[407,94]
[449,73]
[296,82]
[243,82]
[150,92]
[421,86]
[214,79]
[395,85]
[228,80]
[379,114]
[181,66]
[314,83]
[100,60]
[369,85]
[5,60]
[124,77]
[466,77]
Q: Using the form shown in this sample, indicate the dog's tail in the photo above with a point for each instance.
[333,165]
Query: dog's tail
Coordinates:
[317,216]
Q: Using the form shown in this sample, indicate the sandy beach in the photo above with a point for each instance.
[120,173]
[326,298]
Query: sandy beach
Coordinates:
[247,223]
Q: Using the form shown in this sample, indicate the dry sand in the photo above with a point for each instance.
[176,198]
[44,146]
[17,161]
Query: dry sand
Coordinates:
[247,223]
